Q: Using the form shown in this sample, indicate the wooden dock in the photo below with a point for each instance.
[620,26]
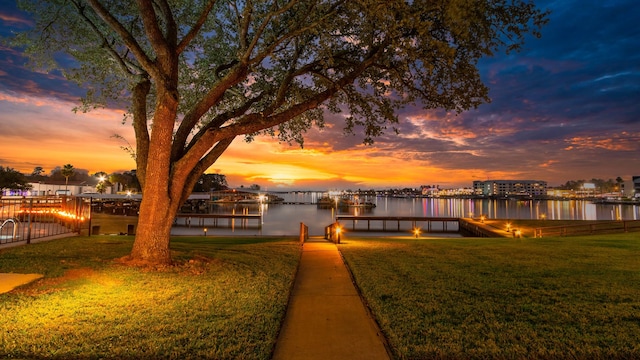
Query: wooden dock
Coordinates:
[447,224]
[213,220]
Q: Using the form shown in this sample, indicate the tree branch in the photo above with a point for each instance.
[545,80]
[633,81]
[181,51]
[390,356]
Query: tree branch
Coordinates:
[196,27]
[140,93]
[202,166]
[127,38]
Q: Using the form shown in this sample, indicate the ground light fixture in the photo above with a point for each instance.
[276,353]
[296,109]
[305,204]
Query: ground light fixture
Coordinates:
[416,232]
[508,227]
[205,231]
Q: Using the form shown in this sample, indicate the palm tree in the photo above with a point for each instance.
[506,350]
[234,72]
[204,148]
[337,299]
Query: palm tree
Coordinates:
[67,171]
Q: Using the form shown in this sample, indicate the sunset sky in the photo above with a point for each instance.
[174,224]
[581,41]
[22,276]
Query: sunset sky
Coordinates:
[567,107]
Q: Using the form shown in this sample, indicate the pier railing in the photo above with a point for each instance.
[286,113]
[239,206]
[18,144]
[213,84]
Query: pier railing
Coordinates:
[214,220]
[401,223]
[589,229]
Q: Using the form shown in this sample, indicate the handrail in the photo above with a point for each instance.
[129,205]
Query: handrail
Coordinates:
[15,222]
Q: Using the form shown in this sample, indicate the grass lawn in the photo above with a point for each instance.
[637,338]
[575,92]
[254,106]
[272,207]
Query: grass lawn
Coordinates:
[224,299]
[466,298]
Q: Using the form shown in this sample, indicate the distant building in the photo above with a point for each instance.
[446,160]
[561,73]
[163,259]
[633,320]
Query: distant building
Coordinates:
[49,188]
[636,187]
[505,188]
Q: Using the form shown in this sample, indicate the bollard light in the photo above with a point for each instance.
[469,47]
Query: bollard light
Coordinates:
[205,231]
[508,227]
[416,232]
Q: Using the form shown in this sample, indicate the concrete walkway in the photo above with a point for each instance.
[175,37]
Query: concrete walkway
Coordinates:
[326,318]
[9,281]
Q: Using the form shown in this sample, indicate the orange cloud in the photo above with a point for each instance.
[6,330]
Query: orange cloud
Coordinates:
[617,142]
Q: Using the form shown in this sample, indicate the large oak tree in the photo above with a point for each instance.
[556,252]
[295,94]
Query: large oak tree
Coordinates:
[199,73]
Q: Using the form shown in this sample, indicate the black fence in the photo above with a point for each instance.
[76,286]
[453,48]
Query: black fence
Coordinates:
[605,227]
[23,220]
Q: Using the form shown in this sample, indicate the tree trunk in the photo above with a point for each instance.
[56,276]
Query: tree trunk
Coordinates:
[151,245]
[158,208]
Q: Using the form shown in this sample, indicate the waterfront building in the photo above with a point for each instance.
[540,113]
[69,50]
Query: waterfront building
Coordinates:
[505,188]
[636,186]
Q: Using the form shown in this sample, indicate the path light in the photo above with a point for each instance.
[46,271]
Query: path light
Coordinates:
[482,219]
[205,231]
[543,216]
[338,232]
[518,233]
[508,227]
[416,232]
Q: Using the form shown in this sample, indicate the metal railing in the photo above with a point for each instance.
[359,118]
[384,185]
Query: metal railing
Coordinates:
[27,219]
[607,227]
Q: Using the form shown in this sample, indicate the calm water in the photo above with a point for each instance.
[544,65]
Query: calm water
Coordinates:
[280,219]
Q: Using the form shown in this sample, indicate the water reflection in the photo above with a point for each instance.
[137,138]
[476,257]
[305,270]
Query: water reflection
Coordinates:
[284,219]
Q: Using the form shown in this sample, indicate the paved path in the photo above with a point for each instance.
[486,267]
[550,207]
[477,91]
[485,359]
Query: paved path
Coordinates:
[10,281]
[326,318]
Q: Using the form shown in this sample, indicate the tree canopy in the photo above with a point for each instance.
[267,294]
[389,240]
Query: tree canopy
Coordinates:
[198,73]
[11,179]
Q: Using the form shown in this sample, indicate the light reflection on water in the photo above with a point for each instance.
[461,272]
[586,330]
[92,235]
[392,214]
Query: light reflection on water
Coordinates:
[284,219]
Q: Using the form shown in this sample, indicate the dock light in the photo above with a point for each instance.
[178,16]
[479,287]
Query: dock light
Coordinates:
[416,232]
[508,227]
[205,231]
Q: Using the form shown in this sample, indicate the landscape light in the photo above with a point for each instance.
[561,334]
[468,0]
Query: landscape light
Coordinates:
[508,227]
[518,233]
[205,231]
[416,232]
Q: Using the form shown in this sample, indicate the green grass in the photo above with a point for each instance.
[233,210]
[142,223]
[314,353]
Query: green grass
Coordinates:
[576,297]
[224,299]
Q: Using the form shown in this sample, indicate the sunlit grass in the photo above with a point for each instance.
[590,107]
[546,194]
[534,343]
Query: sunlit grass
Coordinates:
[224,299]
[575,297]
